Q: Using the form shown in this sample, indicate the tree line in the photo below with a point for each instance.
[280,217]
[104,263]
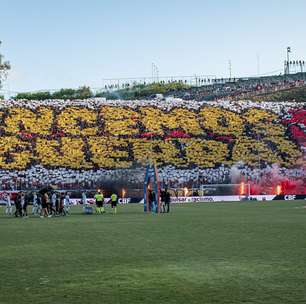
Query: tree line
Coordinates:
[84,92]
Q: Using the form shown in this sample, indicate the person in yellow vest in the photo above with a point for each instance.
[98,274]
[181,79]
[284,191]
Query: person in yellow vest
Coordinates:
[114,201]
[99,202]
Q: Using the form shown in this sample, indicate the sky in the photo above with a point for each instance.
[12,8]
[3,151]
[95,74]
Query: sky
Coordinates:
[55,44]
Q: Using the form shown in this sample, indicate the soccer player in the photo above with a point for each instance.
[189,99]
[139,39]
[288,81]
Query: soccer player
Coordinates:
[18,207]
[99,202]
[61,205]
[44,205]
[151,197]
[53,203]
[58,204]
[39,202]
[84,200]
[67,204]
[24,204]
[27,201]
[114,201]
[35,204]
[8,208]
[167,200]
[163,200]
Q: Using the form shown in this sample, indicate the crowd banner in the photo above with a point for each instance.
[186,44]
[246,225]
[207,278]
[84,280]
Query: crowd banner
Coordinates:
[290,197]
[234,198]
[91,201]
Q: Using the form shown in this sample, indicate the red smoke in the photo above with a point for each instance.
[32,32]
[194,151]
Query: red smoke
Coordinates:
[287,186]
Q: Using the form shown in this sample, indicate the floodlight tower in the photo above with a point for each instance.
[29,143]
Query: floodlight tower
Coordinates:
[287,66]
[4,68]
[230,68]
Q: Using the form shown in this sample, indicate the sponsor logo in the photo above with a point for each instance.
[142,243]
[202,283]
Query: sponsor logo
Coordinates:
[290,197]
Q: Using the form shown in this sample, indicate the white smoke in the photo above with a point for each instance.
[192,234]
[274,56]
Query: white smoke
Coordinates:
[235,172]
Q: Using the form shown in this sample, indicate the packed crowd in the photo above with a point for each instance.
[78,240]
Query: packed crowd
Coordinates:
[85,143]
[204,88]
[238,88]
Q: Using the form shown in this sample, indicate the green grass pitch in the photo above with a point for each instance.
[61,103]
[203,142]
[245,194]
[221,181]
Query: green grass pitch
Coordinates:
[200,253]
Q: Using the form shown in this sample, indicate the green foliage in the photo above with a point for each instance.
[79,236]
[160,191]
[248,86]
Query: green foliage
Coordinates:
[64,94]
[83,93]
[80,93]
[34,96]
[1,97]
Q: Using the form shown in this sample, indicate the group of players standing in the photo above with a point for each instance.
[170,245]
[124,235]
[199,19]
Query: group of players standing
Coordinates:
[99,198]
[52,203]
[164,199]
[46,204]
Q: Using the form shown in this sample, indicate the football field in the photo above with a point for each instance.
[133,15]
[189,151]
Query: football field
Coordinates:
[200,253]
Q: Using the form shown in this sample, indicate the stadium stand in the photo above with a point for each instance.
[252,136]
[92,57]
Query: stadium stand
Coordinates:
[208,89]
[83,143]
[239,88]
